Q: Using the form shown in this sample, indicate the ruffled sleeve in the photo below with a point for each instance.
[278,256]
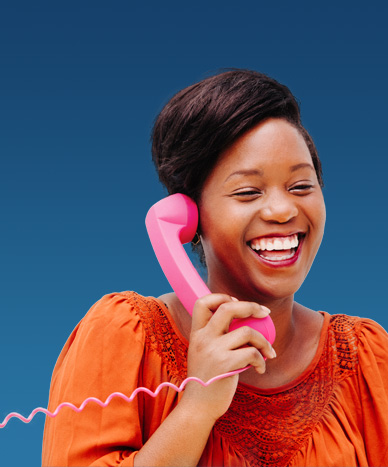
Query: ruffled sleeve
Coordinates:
[103,355]
[373,384]
[353,429]
[124,342]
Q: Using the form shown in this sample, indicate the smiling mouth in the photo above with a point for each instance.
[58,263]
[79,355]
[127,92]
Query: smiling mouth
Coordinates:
[276,248]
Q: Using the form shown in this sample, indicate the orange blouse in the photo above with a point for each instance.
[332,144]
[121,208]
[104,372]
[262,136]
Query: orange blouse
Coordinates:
[335,413]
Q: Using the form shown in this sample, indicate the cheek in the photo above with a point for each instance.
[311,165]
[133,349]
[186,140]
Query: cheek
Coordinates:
[318,220]
[315,209]
[321,215]
[221,234]
[213,220]
[224,224]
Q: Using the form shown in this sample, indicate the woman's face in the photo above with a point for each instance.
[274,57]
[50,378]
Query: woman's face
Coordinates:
[262,214]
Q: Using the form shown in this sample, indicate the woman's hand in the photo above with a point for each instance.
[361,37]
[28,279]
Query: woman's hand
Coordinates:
[214,350]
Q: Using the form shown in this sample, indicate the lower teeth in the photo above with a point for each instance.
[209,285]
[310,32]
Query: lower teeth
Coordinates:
[279,258]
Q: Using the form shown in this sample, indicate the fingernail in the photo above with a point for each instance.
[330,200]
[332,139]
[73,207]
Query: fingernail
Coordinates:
[264,308]
[234,299]
[274,353]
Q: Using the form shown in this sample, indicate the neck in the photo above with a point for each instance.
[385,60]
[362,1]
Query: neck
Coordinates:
[283,316]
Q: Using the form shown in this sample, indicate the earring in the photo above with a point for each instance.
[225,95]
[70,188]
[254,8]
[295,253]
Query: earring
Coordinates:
[196,240]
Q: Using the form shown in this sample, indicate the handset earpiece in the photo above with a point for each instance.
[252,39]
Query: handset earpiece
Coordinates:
[171,222]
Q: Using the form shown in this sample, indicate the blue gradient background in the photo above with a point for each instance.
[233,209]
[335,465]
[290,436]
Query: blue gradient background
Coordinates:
[80,85]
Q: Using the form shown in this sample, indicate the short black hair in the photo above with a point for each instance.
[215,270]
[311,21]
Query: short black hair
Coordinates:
[203,120]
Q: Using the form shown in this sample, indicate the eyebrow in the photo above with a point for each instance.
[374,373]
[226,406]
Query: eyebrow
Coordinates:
[245,172]
[260,173]
[296,167]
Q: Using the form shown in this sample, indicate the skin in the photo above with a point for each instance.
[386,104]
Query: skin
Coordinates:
[263,185]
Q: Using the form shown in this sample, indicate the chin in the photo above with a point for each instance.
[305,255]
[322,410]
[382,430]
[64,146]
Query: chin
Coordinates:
[269,290]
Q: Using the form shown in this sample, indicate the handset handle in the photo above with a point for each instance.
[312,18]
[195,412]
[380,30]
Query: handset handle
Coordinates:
[170,223]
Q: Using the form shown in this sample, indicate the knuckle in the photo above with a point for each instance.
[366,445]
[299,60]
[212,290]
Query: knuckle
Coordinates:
[225,312]
[247,333]
[253,354]
[225,307]
[259,363]
[200,303]
[267,347]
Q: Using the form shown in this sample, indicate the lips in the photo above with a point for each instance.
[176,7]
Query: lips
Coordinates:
[277,249]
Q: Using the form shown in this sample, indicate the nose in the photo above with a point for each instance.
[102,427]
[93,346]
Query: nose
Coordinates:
[278,207]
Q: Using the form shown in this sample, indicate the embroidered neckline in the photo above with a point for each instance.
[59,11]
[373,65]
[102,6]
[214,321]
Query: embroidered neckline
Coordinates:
[173,324]
[248,387]
[305,374]
[267,427]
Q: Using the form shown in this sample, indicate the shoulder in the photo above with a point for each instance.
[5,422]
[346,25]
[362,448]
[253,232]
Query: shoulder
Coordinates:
[124,324]
[357,341]
[121,310]
[129,320]
[356,328]
[112,319]
[116,320]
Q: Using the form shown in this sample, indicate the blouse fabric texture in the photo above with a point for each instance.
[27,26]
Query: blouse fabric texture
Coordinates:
[334,414]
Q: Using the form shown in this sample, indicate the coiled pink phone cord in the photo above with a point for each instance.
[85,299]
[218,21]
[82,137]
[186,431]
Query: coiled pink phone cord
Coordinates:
[116,394]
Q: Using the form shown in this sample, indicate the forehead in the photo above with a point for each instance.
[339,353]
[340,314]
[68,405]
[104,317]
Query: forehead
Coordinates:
[273,144]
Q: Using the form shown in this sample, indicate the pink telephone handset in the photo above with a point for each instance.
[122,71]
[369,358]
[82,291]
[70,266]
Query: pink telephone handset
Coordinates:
[170,223]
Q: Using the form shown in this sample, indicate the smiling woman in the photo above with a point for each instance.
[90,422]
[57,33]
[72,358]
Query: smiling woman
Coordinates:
[266,183]
[234,143]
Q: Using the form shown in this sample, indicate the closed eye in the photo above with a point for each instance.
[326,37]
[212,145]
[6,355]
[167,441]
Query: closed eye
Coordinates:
[247,193]
[302,189]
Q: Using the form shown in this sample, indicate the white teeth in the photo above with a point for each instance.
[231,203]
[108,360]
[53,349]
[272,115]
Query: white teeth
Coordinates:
[275,243]
[287,244]
[279,258]
[278,244]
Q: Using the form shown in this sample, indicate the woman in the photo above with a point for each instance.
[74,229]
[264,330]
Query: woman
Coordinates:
[235,144]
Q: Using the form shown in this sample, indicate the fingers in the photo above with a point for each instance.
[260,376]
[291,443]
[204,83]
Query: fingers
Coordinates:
[243,346]
[205,307]
[249,356]
[220,309]
[246,336]
[227,312]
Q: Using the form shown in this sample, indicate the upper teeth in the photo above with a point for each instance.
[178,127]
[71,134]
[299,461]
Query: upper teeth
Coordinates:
[275,243]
